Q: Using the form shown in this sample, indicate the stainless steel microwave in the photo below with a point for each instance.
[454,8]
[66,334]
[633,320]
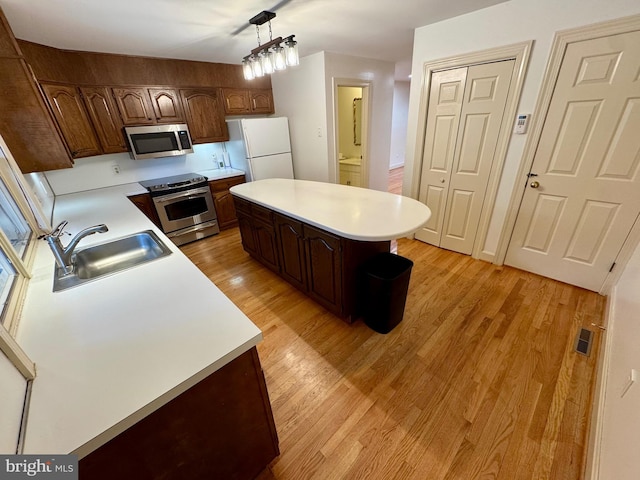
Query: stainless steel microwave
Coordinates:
[153,141]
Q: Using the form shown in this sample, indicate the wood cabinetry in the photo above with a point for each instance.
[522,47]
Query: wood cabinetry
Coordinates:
[148,106]
[323,265]
[68,109]
[293,264]
[105,118]
[241,101]
[324,268]
[222,427]
[205,115]
[258,233]
[145,204]
[167,105]
[223,200]
[26,124]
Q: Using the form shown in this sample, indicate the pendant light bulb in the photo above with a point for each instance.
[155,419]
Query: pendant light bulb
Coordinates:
[256,64]
[266,57]
[247,69]
[279,58]
[291,51]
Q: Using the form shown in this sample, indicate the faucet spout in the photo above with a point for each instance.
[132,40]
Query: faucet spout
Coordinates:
[62,254]
[68,250]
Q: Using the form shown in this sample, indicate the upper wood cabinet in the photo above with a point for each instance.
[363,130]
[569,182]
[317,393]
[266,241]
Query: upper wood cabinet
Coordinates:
[241,101]
[205,115]
[104,116]
[148,106]
[134,105]
[166,105]
[26,124]
[261,101]
[67,107]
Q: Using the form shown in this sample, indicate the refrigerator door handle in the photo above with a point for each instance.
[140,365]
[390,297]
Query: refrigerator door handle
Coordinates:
[247,142]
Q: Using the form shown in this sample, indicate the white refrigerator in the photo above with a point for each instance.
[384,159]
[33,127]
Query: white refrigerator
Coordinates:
[261,147]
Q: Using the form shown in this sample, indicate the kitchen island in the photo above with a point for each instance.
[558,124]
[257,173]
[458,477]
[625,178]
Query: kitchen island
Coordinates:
[317,235]
[148,373]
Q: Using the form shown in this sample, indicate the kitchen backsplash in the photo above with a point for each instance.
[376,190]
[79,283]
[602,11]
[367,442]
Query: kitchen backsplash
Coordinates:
[99,172]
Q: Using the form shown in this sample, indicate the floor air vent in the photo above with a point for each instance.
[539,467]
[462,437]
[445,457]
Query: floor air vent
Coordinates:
[583,341]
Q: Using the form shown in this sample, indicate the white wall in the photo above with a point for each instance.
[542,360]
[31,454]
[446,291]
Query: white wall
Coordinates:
[399,124]
[380,75]
[299,93]
[96,172]
[621,420]
[305,95]
[12,390]
[499,25]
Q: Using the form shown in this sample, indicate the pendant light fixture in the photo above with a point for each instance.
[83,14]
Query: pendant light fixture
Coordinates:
[277,54]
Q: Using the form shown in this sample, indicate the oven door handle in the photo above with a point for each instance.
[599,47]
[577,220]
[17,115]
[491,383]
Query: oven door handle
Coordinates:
[182,196]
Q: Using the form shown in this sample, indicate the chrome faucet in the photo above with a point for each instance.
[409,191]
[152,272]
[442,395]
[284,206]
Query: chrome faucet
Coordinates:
[63,254]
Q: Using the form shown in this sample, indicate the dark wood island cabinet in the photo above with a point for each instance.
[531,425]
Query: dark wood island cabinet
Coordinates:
[321,264]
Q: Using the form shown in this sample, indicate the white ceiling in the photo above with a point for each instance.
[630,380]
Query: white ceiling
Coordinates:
[207,30]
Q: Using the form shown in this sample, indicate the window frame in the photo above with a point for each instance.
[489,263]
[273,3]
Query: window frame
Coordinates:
[35,218]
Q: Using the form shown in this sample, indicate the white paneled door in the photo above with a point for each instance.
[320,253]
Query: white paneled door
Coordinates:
[584,193]
[464,119]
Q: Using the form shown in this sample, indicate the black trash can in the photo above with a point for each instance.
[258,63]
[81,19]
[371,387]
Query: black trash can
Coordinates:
[384,290]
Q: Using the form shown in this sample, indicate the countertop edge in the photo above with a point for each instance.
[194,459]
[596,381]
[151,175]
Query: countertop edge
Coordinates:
[162,400]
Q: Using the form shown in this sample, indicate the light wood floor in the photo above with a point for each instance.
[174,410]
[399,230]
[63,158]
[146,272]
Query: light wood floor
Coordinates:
[395,180]
[479,380]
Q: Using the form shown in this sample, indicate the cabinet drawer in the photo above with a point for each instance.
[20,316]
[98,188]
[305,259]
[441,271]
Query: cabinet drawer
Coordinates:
[225,183]
[262,213]
[242,205]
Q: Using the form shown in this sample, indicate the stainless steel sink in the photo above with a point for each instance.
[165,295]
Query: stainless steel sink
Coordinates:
[108,258]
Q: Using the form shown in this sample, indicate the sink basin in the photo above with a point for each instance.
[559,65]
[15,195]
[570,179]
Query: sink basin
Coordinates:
[108,258]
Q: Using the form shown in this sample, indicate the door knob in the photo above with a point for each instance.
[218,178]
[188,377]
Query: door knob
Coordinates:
[442,180]
[535,184]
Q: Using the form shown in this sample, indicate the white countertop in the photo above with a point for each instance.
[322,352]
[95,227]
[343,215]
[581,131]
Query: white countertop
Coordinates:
[350,212]
[110,352]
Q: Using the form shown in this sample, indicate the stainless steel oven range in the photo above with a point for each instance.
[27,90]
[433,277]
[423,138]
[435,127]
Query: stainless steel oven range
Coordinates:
[185,207]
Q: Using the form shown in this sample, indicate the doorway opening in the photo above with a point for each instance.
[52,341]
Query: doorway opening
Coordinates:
[351,135]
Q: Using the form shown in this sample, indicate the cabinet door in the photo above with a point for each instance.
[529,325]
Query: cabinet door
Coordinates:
[104,116]
[225,210]
[134,106]
[236,101]
[265,235]
[261,101]
[68,110]
[205,115]
[324,268]
[292,254]
[245,224]
[166,105]
[25,122]
[145,204]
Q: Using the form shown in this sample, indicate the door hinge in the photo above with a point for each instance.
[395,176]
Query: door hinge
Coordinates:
[612,265]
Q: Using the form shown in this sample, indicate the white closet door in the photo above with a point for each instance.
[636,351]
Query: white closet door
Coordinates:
[443,117]
[460,146]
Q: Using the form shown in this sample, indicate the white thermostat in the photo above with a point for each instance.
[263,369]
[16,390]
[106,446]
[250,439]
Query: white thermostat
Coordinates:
[522,122]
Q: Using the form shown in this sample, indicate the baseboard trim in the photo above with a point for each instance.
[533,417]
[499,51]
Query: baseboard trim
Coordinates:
[596,422]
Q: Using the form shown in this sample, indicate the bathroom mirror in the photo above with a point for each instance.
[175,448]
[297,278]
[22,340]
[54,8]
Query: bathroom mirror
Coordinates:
[357,121]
